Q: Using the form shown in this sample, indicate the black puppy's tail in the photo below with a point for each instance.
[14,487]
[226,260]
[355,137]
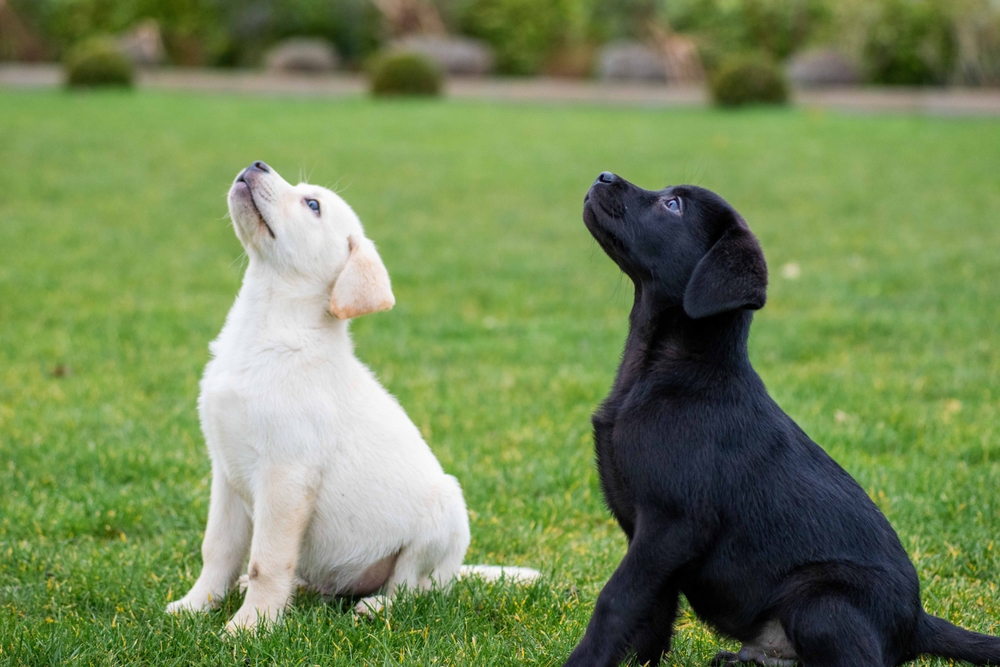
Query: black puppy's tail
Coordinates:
[939,637]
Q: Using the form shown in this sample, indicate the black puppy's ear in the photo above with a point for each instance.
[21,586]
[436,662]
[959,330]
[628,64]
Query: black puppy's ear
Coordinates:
[733,274]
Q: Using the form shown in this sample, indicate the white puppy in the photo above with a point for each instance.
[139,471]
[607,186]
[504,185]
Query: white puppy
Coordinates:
[316,469]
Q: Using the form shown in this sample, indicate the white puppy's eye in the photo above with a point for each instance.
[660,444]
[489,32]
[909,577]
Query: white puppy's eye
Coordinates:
[673,205]
[314,205]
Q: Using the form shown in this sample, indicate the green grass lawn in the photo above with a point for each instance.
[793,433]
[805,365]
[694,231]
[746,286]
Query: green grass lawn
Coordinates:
[117,267]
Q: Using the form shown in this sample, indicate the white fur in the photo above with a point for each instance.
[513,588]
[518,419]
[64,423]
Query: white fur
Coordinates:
[317,471]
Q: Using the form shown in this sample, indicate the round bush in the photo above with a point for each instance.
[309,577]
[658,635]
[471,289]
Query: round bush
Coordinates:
[98,62]
[749,79]
[405,74]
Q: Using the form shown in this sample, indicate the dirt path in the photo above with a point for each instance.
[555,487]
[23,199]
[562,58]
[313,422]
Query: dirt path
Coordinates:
[934,101]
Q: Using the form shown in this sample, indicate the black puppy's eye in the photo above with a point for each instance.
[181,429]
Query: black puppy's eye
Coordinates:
[314,205]
[673,205]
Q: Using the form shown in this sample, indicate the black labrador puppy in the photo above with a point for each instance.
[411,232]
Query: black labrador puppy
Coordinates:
[723,498]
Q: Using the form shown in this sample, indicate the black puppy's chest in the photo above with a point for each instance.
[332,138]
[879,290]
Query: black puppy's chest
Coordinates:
[619,497]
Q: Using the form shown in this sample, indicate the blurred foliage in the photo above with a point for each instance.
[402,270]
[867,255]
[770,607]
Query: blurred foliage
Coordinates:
[978,34]
[98,62]
[775,27]
[405,74]
[894,41]
[352,26]
[912,42]
[192,29]
[197,32]
[749,79]
[522,32]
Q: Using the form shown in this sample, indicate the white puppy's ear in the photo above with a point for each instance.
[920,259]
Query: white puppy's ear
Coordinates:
[363,286]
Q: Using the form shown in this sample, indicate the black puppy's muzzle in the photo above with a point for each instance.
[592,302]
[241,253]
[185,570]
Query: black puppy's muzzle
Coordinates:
[605,179]
[604,212]
[607,194]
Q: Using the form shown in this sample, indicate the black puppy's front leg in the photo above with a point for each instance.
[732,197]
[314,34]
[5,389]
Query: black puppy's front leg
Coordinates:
[652,641]
[629,600]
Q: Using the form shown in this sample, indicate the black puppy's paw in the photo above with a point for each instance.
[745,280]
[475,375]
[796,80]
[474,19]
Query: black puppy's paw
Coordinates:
[724,658]
[749,656]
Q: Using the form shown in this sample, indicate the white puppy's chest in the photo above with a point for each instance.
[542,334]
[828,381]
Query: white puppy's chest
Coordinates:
[225,403]
[263,401]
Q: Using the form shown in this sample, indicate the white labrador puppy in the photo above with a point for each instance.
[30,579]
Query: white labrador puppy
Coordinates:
[316,469]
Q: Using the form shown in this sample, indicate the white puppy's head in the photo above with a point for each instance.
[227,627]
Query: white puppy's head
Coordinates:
[310,234]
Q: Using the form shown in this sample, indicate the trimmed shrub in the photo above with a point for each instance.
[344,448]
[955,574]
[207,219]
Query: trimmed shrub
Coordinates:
[405,74]
[912,43]
[749,79]
[98,62]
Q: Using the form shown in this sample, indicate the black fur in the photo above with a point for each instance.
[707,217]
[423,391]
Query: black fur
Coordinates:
[721,495]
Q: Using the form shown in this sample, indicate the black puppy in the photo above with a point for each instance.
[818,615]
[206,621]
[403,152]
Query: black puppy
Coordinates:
[723,498]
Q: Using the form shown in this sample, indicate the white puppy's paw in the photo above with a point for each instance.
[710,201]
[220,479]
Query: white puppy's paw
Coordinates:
[372,606]
[193,604]
[248,619]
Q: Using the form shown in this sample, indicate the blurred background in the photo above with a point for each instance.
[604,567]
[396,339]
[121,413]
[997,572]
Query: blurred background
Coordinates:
[816,42]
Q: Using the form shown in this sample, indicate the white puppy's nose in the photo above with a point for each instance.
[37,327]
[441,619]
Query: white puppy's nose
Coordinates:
[259,166]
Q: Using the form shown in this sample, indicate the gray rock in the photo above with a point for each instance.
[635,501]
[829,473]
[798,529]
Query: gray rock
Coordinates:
[630,61]
[143,44]
[301,54]
[822,67]
[454,55]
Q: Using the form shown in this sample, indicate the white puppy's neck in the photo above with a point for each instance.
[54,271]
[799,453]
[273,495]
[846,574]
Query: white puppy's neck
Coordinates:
[278,304]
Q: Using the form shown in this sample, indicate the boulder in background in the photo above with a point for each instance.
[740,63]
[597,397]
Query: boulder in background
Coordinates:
[452,55]
[630,61]
[302,54]
[822,67]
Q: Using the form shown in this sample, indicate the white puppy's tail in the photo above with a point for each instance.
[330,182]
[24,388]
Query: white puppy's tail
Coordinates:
[510,574]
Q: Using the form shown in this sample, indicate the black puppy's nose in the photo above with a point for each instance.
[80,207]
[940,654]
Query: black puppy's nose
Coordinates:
[259,166]
[606,177]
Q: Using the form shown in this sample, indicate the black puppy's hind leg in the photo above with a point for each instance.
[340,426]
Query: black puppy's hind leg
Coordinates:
[827,631]
[652,640]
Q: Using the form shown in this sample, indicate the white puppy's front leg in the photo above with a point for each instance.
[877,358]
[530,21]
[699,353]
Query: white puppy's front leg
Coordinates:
[227,536]
[283,506]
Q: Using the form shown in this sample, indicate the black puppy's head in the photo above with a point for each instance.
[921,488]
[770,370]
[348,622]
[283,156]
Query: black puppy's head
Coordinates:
[684,244]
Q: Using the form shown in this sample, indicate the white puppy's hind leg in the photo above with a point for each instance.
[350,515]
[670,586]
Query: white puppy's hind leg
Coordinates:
[434,557]
[227,537]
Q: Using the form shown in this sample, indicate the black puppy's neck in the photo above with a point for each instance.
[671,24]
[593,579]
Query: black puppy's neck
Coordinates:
[662,334]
